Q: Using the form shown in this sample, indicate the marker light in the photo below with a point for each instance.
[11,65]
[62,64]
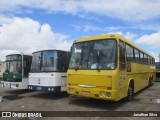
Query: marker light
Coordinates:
[102,93]
[108,94]
[71,90]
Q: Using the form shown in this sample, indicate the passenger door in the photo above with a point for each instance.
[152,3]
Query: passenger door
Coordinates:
[122,68]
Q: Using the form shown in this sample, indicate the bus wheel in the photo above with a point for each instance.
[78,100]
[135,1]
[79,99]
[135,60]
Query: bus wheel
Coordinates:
[130,93]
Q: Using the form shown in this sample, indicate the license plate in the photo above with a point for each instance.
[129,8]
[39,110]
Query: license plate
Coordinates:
[39,88]
[85,92]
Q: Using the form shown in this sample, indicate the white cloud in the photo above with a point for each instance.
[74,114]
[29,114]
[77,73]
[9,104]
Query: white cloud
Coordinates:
[155,56]
[154,27]
[87,27]
[27,35]
[3,53]
[151,40]
[123,9]
[90,27]
[130,36]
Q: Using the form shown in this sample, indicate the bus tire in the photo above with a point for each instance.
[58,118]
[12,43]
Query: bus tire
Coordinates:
[130,92]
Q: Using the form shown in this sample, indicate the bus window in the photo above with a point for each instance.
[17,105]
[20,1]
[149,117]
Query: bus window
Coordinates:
[141,57]
[149,59]
[136,53]
[62,61]
[129,53]
[145,58]
[122,55]
[36,62]
[153,61]
[99,54]
[79,58]
[50,61]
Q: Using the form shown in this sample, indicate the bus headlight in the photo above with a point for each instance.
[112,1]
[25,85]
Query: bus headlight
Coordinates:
[102,93]
[108,94]
[71,90]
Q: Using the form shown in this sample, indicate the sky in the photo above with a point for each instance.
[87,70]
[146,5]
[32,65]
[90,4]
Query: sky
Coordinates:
[31,25]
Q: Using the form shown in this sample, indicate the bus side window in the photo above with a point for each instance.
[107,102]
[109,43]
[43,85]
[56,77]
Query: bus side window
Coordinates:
[122,55]
[129,53]
[137,54]
[24,63]
[141,57]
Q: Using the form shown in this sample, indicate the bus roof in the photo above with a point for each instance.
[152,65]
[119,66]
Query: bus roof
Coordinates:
[49,50]
[116,36]
[19,54]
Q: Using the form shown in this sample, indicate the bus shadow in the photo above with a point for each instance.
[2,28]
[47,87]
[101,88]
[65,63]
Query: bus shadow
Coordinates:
[94,104]
[143,96]
[157,80]
[50,95]
[16,91]
[144,89]
[12,97]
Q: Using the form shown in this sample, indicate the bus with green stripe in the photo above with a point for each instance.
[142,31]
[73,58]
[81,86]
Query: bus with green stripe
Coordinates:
[16,71]
[2,67]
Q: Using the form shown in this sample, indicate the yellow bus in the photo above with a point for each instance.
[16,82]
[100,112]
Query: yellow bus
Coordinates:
[108,67]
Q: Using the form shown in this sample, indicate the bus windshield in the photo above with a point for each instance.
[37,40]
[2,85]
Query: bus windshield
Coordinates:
[97,54]
[44,61]
[49,61]
[14,64]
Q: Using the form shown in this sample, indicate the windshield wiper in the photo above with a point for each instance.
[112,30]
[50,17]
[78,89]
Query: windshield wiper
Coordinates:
[98,67]
[77,67]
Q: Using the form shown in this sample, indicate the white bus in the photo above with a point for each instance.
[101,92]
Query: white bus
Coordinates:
[48,71]
[2,69]
[16,71]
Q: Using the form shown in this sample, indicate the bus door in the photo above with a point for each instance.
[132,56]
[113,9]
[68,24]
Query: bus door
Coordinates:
[122,68]
[27,60]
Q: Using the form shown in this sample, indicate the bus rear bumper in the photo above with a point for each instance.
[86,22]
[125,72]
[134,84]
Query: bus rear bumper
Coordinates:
[96,93]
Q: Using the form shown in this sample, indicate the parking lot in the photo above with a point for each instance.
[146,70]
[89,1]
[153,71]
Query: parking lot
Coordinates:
[23,100]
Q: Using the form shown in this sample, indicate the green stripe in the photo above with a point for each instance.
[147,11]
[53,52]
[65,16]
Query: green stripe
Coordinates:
[12,76]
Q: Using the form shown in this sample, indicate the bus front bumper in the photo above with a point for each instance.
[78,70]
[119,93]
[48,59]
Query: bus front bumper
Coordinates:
[45,88]
[13,85]
[96,93]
